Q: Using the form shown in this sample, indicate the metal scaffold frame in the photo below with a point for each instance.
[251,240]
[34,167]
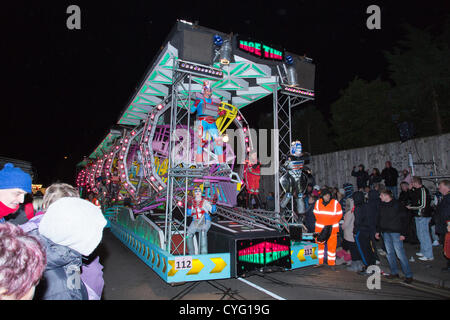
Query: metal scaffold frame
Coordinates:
[283,103]
[178,178]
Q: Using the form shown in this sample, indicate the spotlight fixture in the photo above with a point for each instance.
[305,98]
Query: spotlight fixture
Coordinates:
[199,69]
[225,53]
[297,91]
[218,41]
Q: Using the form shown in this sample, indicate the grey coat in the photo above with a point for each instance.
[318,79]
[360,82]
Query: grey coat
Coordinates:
[61,279]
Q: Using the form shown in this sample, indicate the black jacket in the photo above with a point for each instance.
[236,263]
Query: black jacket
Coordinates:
[309,219]
[405,197]
[361,178]
[390,176]
[421,202]
[374,179]
[60,280]
[392,218]
[442,215]
[373,210]
[361,223]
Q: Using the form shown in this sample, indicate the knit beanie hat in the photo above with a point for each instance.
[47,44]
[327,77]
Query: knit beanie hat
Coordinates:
[75,223]
[13,177]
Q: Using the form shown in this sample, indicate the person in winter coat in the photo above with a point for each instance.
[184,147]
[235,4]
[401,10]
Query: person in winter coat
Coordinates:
[348,193]
[14,185]
[91,274]
[421,208]
[405,199]
[362,229]
[391,223]
[443,215]
[406,176]
[362,177]
[390,176]
[24,213]
[309,219]
[349,239]
[375,177]
[70,228]
[373,209]
[328,213]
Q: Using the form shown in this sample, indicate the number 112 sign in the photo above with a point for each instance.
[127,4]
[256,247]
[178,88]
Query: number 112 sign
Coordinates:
[183,263]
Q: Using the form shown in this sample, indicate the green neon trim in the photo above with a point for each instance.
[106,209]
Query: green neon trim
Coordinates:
[250,96]
[164,60]
[238,66]
[254,67]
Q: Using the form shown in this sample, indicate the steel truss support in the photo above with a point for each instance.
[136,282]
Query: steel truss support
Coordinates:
[178,177]
[282,106]
[254,218]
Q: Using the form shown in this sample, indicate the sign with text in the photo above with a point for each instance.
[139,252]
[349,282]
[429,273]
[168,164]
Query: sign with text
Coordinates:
[183,263]
[260,49]
[253,254]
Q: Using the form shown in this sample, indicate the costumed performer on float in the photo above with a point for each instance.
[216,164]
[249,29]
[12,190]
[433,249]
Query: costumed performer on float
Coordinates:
[207,114]
[294,181]
[252,176]
[200,209]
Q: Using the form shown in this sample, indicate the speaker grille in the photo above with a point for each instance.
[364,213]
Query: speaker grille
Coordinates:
[197,47]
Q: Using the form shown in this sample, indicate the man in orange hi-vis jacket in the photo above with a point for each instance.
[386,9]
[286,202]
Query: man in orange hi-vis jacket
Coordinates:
[328,212]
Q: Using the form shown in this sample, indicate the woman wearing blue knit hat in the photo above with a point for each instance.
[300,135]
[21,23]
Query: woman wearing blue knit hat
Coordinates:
[14,184]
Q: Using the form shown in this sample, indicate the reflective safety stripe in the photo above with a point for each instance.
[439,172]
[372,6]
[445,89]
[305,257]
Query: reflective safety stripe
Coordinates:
[320,225]
[328,213]
[330,258]
[335,225]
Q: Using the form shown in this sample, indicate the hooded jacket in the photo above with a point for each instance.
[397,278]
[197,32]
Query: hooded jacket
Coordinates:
[361,215]
[61,279]
[362,177]
[392,218]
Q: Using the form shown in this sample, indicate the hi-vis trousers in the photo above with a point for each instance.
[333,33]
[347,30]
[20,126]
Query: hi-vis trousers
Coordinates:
[331,248]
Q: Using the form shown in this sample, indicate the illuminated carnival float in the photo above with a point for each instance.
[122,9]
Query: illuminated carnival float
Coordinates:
[169,172]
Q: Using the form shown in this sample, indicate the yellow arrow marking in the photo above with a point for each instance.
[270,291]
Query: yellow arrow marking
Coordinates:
[159,261]
[197,266]
[301,255]
[153,257]
[313,255]
[220,264]
[172,271]
[164,266]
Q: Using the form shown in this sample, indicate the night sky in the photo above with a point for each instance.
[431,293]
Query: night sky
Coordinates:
[63,89]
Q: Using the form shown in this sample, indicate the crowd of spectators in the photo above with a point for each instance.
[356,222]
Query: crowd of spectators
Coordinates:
[47,241]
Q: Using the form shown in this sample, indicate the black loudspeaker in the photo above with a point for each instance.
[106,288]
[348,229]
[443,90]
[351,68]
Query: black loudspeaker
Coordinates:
[197,47]
[305,73]
[295,232]
[406,131]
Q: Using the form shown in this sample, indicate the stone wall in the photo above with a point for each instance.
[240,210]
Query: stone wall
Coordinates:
[334,169]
